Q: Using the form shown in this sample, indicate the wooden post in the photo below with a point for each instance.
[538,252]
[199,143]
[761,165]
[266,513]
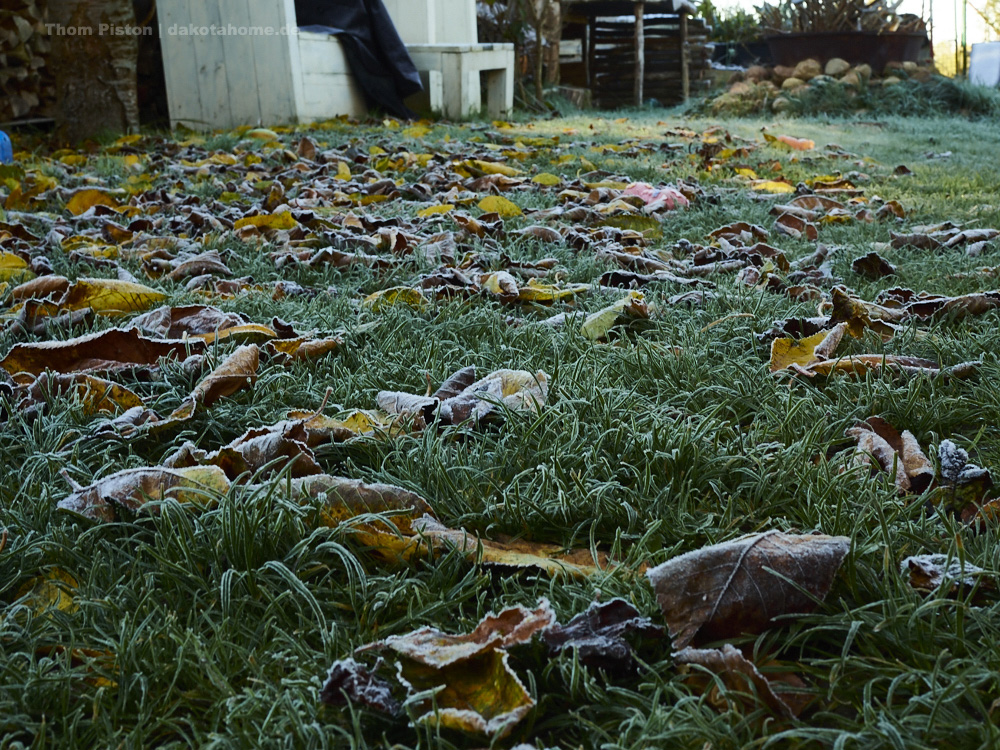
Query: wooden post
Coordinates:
[685,62]
[587,52]
[640,51]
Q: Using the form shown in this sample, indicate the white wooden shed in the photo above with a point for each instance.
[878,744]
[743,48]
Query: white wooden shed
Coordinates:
[244,62]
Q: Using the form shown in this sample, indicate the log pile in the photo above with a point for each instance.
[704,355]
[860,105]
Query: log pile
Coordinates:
[26,86]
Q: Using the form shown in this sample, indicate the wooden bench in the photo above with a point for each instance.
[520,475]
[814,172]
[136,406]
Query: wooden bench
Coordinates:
[244,62]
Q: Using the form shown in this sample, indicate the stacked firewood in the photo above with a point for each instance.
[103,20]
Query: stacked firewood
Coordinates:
[26,88]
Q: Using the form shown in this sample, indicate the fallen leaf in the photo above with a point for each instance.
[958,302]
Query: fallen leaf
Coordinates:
[53,589]
[351,682]
[398,295]
[83,200]
[795,144]
[14,268]
[893,452]
[739,587]
[964,488]
[931,572]
[110,296]
[267,221]
[497,204]
[872,266]
[190,320]
[95,395]
[598,635]
[477,692]
[739,680]
[105,351]
[786,352]
[598,324]
[131,489]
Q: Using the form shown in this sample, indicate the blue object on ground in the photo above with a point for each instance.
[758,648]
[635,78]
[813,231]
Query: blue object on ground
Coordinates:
[6,149]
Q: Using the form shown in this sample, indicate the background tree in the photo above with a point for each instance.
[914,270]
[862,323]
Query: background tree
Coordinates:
[95,73]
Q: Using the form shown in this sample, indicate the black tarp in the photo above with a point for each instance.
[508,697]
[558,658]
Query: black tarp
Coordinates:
[376,54]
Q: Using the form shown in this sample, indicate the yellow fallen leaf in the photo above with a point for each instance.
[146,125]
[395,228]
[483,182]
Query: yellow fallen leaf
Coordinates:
[306,348]
[820,346]
[444,208]
[267,221]
[262,134]
[83,200]
[14,268]
[343,172]
[545,178]
[397,295]
[416,131]
[52,590]
[110,296]
[490,167]
[745,172]
[772,186]
[499,205]
[535,291]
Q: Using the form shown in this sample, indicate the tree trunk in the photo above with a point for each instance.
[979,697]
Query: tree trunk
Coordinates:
[94,64]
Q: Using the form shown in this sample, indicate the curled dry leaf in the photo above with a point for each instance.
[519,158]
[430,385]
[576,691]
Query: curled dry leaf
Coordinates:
[739,680]
[739,587]
[477,692]
[598,635]
[786,352]
[131,489]
[631,306]
[893,452]
[238,371]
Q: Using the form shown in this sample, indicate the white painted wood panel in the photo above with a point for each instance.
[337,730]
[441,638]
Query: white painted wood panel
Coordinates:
[180,70]
[241,70]
[320,53]
[211,63]
[275,59]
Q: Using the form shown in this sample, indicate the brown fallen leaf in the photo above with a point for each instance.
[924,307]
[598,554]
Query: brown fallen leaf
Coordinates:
[796,227]
[872,266]
[189,320]
[930,572]
[739,680]
[275,447]
[131,489]
[352,682]
[598,635]
[105,351]
[893,452]
[238,371]
[739,587]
